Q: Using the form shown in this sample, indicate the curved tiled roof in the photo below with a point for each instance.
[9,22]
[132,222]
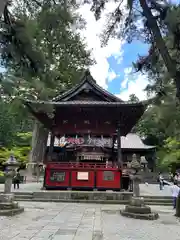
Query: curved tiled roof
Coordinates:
[86,79]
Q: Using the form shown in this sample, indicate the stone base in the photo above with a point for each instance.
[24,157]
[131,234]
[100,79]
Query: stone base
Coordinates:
[137,209]
[150,216]
[6,197]
[11,212]
[8,207]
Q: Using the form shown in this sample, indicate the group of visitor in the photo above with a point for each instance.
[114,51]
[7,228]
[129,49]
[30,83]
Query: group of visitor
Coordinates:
[175,188]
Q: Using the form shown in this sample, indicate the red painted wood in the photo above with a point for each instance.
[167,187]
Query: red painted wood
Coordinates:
[101,183]
[74,165]
[71,171]
[50,183]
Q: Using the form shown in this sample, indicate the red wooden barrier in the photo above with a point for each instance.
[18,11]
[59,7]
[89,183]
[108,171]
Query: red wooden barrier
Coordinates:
[85,176]
[108,179]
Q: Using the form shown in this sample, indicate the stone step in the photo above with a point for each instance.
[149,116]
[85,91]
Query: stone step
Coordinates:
[159,203]
[156,197]
[19,196]
[23,193]
[154,202]
[157,200]
[49,195]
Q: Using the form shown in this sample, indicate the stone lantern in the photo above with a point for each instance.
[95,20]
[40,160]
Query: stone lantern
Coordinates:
[137,208]
[135,175]
[7,205]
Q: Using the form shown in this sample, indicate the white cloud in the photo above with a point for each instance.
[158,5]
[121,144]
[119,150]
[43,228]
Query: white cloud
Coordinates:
[134,83]
[111,75]
[124,83]
[101,70]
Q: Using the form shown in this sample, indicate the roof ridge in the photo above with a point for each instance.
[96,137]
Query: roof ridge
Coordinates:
[87,77]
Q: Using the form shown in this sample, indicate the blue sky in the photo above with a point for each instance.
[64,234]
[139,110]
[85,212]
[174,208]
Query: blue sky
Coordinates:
[130,54]
[113,70]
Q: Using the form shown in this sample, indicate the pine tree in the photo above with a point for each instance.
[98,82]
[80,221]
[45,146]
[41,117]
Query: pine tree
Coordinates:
[42,54]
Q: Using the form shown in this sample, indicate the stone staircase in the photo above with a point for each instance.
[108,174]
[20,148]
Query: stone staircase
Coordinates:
[89,197]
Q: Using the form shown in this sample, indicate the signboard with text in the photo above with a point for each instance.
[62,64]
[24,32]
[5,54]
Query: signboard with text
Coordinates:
[84,176]
[99,142]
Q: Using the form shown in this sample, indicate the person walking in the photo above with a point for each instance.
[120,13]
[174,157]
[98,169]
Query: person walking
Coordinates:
[161,183]
[17,179]
[175,192]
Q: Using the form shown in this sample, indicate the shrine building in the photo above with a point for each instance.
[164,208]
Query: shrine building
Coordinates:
[88,131]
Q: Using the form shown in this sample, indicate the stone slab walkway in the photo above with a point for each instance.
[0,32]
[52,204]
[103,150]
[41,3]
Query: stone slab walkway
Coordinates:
[151,189]
[72,221]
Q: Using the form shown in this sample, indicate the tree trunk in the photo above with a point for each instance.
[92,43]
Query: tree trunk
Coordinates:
[39,144]
[2,6]
[160,44]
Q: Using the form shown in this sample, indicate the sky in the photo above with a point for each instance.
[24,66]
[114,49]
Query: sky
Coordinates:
[113,69]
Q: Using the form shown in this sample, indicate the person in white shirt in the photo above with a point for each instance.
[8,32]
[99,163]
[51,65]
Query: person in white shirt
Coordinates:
[175,192]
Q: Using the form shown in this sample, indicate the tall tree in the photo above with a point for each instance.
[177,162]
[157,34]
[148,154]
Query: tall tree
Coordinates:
[43,55]
[156,20]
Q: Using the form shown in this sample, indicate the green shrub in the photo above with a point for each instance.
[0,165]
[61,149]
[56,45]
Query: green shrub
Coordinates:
[20,153]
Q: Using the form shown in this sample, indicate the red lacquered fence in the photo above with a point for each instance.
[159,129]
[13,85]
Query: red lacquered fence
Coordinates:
[82,176]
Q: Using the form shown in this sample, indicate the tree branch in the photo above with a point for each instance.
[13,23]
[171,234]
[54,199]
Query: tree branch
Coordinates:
[170,64]
[3,3]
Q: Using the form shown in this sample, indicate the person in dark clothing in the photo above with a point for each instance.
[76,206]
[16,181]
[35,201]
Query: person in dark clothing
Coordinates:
[17,179]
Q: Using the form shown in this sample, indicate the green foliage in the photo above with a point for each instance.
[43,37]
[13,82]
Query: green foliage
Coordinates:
[7,125]
[43,56]
[23,139]
[49,34]
[172,147]
[20,153]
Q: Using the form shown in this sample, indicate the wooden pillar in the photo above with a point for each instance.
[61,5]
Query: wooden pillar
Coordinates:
[119,150]
[113,143]
[51,147]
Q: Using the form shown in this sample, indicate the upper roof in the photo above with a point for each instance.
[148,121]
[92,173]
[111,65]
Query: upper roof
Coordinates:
[87,84]
[87,100]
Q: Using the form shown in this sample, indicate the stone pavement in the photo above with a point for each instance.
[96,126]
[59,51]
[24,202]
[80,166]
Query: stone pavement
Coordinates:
[73,221]
[151,189]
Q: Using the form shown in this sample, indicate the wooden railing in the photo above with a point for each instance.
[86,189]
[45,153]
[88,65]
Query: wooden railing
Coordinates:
[66,165]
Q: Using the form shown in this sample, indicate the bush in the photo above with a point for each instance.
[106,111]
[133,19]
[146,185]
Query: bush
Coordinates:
[20,153]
